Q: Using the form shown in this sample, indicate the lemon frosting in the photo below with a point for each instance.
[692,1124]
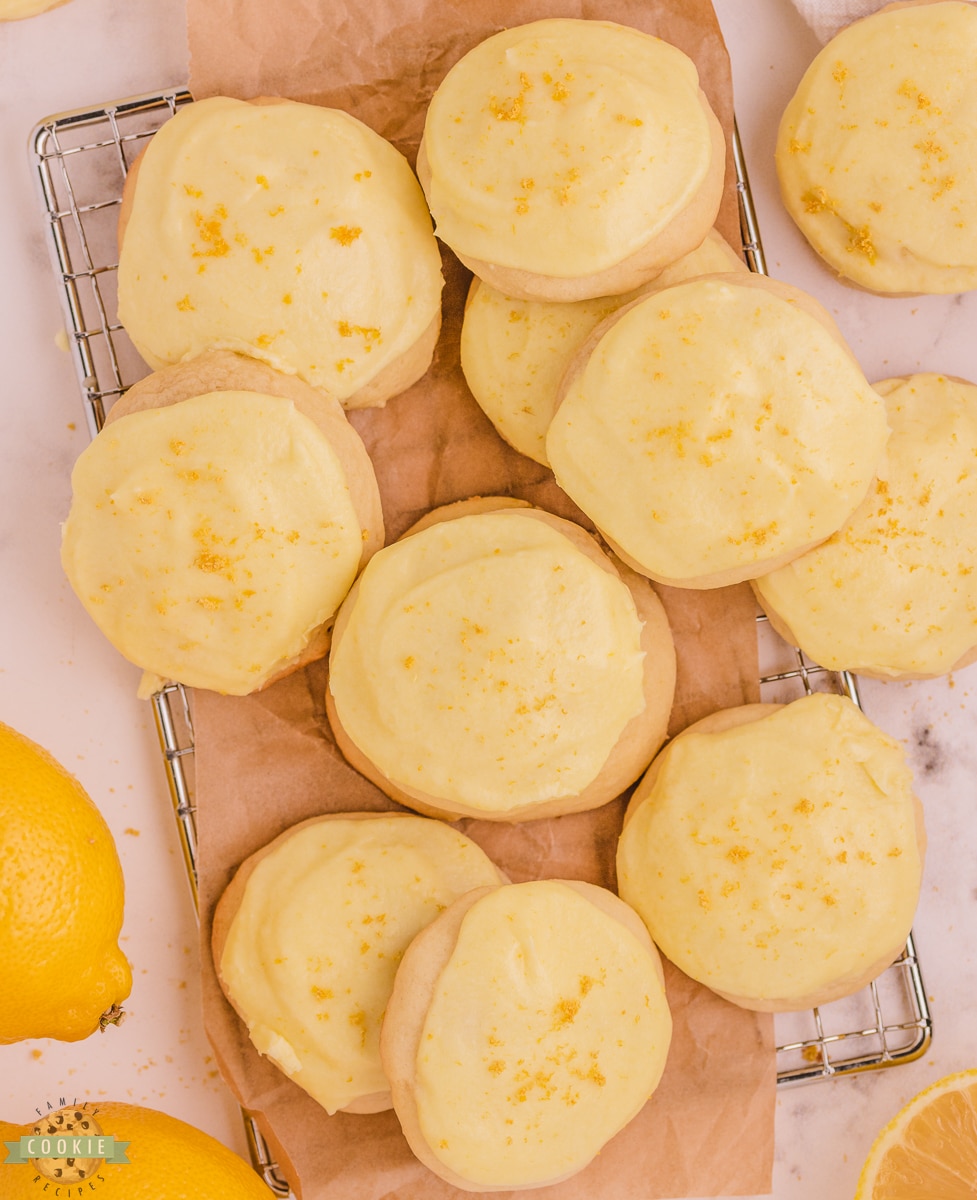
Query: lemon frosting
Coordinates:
[877,150]
[514,353]
[311,953]
[563,146]
[773,859]
[716,426]
[894,592]
[208,539]
[487,661]
[547,1032]
[289,232]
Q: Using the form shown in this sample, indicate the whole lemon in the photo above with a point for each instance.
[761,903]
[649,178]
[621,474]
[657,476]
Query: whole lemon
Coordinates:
[62,974]
[167,1159]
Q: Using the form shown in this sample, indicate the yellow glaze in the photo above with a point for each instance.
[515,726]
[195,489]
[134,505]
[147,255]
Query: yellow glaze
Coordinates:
[895,590]
[877,150]
[289,232]
[208,539]
[487,661]
[514,352]
[326,915]
[547,1032]
[562,146]
[770,859]
[714,427]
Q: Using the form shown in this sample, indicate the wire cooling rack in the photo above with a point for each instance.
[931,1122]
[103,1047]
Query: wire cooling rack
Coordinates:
[81,159]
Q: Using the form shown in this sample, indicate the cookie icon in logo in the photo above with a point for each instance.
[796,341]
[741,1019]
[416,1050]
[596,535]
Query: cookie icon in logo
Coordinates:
[57,1129]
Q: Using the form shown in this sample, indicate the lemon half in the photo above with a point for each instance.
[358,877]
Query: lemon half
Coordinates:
[929,1148]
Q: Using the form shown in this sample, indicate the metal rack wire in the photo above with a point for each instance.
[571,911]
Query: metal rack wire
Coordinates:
[81,159]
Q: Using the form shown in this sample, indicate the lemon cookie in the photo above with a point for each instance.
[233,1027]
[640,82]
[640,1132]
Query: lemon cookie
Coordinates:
[877,150]
[309,933]
[567,159]
[715,429]
[495,663]
[775,852]
[514,352]
[528,1024]
[289,232]
[217,522]
[894,592]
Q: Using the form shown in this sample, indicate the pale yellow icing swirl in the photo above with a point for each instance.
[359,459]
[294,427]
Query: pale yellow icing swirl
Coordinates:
[772,859]
[877,150]
[488,661]
[208,539]
[312,951]
[562,146]
[547,1032]
[895,590]
[289,232]
[714,427]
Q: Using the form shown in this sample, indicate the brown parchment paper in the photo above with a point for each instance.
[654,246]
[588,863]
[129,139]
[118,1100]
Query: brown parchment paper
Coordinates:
[268,761]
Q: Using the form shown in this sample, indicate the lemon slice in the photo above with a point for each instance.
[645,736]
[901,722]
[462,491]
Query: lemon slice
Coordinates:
[929,1148]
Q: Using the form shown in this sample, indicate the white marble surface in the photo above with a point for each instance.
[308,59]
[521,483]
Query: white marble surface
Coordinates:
[62,685]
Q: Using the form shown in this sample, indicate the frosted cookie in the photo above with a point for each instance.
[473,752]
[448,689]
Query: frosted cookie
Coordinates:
[567,159]
[716,429]
[775,852]
[217,521]
[495,663]
[877,150]
[289,232]
[309,933]
[894,592]
[514,352]
[528,1025]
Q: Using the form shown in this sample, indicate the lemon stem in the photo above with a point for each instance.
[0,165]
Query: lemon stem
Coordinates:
[113,1016]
